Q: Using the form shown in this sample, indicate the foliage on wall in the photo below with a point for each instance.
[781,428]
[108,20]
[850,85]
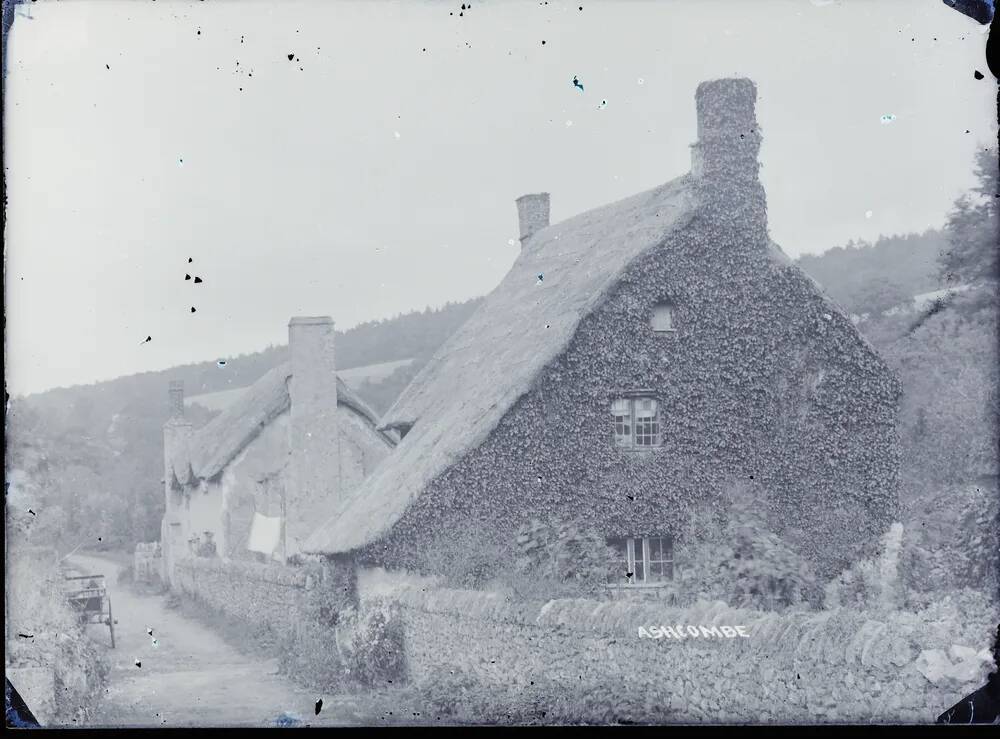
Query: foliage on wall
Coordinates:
[369,640]
[746,322]
[560,560]
[744,564]
[872,584]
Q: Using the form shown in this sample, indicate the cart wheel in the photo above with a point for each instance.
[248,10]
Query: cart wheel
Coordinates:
[111,624]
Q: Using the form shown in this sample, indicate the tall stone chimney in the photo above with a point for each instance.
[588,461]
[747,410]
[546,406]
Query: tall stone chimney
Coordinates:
[176,432]
[312,492]
[175,398]
[532,214]
[177,428]
[724,160]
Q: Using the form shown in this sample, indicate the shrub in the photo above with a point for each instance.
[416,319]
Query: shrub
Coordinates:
[561,560]
[370,643]
[950,541]
[746,565]
[37,605]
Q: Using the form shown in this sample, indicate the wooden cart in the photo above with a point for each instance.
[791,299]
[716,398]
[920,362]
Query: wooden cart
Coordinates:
[89,597]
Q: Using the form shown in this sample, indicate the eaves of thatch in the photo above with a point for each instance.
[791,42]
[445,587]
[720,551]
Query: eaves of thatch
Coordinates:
[206,453]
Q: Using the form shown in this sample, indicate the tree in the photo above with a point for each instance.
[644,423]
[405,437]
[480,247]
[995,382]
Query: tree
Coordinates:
[877,295]
[972,228]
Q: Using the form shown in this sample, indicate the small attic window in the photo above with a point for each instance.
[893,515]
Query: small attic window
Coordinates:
[663,317]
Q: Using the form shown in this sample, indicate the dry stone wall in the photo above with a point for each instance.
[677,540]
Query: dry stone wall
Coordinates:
[828,666]
[273,596]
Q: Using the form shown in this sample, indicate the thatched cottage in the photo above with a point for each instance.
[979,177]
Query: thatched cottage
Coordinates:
[638,361]
[280,458]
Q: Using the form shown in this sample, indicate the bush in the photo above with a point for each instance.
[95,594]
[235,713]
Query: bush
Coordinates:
[950,541]
[370,643]
[563,560]
[753,569]
[746,565]
[37,605]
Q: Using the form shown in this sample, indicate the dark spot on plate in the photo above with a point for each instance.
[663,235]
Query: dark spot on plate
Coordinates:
[977,74]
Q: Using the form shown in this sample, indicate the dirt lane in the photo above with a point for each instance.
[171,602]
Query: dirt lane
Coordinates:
[190,676]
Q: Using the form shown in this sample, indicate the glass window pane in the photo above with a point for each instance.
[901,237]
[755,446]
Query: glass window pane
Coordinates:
[621,416]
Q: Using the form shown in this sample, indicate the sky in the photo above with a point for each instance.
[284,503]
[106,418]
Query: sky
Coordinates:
[376,171]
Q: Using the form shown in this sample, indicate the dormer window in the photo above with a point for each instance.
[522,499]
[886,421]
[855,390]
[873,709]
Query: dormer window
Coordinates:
[636,422]
[663,317]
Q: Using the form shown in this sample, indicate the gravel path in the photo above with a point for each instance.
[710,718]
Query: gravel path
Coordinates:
[191,676]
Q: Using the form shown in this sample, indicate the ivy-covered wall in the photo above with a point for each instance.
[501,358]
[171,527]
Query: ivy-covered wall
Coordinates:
[764,383]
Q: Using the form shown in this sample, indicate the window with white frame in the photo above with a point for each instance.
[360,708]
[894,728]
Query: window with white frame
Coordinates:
[642,560]
[636,422]
[662,318]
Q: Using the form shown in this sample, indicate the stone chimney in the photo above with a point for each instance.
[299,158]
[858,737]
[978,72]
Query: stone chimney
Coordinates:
[312,492]
[532,214]
[176,432]
[177,428]
[724,160]
[175,396]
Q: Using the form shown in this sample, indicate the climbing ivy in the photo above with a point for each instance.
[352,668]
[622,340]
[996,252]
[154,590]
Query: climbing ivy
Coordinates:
[764,380]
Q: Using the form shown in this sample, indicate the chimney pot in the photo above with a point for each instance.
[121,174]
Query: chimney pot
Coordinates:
[532,214]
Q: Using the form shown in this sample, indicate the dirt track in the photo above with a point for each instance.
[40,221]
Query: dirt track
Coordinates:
[192,676]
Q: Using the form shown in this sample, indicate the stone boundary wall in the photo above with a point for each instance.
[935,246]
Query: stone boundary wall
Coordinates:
[271,596]
[827,666]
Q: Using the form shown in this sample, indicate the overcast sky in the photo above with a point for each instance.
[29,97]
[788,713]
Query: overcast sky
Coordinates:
[376,172]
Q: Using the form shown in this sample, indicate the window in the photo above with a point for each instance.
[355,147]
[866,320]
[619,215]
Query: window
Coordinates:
[621,415]
[663,316]
[636,422]
[642,560]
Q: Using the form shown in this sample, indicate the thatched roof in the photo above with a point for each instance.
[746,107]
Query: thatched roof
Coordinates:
[217,443]
[560,276]
[355,377]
